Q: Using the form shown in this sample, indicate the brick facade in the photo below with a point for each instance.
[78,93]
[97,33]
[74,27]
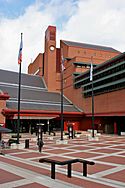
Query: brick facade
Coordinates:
[37,66]
[109,104]
[3,98]
[48,63]
[109,108]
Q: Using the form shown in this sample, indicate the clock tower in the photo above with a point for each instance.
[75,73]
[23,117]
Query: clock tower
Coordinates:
[50,58]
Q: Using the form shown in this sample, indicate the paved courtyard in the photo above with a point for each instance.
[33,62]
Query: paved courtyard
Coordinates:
[21,167]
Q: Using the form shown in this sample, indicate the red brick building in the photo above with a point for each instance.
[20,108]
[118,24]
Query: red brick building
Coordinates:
[77,60]
[108,81]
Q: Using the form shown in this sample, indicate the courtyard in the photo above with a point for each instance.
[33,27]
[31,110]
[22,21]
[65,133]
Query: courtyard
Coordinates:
[21,167]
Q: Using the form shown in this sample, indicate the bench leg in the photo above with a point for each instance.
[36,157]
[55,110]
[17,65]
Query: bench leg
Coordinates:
[69,170]
[53,170]
[84,169]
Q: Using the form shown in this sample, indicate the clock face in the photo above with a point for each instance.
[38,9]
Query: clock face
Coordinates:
[51,48]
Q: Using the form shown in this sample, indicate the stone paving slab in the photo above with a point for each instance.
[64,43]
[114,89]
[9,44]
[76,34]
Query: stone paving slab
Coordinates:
[122,154]
[81,148]
[76,181]
[10,151]
[113,159]
[32,185]
[119,147]
[6,176]
[119,176]
[106,150]
[28,155]
[83,155]
[108,154]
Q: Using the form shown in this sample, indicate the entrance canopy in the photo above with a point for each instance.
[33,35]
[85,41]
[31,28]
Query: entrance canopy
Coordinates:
[45,117]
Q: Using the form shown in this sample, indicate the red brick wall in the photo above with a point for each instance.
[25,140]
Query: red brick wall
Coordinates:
[81,55]
[58,60]
[50,59]
[2,106]
[107,103]
[75,124]
[74,95]
[52,73]
[37,66]
[98,55]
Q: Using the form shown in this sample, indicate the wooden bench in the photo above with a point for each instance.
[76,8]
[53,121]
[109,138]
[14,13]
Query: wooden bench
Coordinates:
[68,163]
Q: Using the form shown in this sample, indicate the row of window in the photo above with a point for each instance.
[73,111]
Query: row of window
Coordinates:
[107,66]
[108,79]
[95,54]
[106,89]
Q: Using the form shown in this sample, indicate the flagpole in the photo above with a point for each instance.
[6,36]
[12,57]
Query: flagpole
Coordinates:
[62,122]
[19,88]
[92,111]
[92,97]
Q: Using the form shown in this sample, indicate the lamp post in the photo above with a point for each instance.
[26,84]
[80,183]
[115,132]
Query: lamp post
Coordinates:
[62,103]
[62,117]
[40,137]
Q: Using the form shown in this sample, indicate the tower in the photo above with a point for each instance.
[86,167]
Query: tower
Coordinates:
[50,58]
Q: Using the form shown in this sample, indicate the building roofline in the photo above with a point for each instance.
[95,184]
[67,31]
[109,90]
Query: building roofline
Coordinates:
[120,113]
[89,46]
[15,111]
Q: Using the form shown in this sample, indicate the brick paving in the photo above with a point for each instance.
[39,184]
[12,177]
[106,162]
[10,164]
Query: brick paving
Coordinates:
[32,185]
[21,167]
[10,176]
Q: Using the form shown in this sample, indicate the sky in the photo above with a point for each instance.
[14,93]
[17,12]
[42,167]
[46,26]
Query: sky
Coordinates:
[100,22]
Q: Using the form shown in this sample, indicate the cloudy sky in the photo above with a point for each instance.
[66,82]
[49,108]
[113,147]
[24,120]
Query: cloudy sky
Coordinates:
[90,21]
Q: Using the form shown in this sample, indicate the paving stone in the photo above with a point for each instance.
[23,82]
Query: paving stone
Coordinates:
[108,171]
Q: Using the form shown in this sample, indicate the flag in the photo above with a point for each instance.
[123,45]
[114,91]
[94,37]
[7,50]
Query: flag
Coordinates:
[62,64]
[91,72]
[20,51]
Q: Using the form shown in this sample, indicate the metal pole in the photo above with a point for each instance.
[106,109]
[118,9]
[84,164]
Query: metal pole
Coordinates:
[92,110]
[62,126]
[19,88]
[48,124]
[92,97]
[18,123]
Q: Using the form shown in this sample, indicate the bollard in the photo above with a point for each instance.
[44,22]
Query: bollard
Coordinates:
[27,143]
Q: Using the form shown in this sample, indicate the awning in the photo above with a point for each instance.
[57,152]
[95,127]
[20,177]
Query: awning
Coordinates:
[47,117]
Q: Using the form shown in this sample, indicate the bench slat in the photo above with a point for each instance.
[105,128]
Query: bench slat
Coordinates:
[47,160]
